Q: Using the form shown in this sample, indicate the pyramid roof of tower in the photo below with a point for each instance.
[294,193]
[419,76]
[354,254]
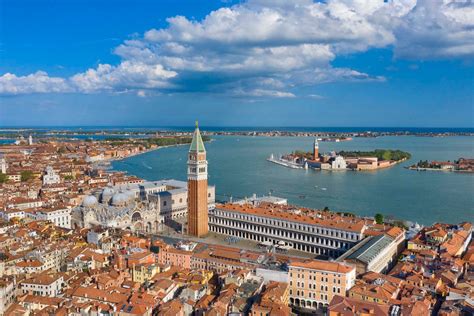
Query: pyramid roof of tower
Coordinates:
[197,145]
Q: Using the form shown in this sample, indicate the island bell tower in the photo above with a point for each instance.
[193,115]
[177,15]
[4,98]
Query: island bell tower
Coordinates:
[315,149]
[197,187]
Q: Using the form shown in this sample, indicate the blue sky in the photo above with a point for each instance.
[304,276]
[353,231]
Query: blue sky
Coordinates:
[245,63]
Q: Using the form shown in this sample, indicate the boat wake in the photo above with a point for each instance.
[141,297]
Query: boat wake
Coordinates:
[146,166]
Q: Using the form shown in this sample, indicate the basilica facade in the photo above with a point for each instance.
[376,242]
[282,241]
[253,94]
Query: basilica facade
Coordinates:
[144,207]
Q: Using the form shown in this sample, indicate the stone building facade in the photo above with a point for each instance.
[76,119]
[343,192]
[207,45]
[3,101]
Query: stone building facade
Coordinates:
[331,237]
[143,207]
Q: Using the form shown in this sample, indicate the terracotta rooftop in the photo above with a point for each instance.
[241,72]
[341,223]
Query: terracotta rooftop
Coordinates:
[322,266]
[347,306]
[42,279]
[337,222]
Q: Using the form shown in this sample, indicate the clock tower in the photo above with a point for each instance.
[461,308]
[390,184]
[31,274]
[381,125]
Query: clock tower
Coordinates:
[197,187]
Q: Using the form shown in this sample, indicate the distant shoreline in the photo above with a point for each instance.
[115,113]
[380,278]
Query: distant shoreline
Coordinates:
[145,152]
[145,132]
[437,169]
[85,128]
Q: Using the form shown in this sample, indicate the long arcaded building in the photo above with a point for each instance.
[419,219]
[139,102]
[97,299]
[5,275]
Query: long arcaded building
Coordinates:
[320,233]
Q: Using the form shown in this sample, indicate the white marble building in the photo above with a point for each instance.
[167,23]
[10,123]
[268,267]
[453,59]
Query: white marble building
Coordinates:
[50,176]
[338,163]
[59,216]
[138,207]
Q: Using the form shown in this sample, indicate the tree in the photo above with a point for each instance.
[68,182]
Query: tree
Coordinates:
[379,218]
[26,175]
[387,155]
[400,224]
[3,178]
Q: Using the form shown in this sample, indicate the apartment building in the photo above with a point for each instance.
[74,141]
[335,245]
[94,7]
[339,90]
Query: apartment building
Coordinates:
[7,293]
[43,284]
[313,283]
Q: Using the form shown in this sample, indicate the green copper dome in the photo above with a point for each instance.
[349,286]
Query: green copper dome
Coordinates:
[197,145]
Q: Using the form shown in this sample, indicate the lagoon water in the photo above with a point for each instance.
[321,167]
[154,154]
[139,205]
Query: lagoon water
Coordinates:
[238,168]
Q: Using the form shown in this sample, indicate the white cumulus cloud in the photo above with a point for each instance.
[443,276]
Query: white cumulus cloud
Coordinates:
[265,48]
[38,82]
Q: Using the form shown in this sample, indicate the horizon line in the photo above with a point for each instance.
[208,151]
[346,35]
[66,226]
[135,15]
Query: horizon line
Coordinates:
[227,126]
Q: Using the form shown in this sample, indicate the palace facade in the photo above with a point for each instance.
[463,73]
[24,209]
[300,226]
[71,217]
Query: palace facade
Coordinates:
[329,235]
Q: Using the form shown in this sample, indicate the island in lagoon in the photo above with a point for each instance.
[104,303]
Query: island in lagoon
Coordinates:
[460,165]
[343,160]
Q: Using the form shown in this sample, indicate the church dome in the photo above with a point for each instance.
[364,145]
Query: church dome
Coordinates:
[130,194]
[119,199]
[108,191]
[89,201]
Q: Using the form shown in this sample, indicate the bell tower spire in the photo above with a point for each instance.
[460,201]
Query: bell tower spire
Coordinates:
[197,186]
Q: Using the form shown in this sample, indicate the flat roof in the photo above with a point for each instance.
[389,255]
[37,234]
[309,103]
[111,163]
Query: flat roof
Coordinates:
[369,250]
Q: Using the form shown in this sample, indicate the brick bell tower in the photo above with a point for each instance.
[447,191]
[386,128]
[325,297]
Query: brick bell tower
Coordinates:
[315,149]
[197,187]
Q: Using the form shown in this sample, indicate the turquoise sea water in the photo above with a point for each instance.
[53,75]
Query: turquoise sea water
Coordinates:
[238,167]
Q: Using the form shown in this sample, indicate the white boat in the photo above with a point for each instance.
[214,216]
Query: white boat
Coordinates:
[286,163]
